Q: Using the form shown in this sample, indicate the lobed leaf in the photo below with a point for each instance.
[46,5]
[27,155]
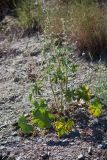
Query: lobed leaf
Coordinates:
[23,124]
[42,117]
[95,109]
[63,127]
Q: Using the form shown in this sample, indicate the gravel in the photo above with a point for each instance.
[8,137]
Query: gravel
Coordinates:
[18,69]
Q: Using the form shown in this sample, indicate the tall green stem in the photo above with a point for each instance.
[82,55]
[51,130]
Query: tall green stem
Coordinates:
[61,85]
[56,104]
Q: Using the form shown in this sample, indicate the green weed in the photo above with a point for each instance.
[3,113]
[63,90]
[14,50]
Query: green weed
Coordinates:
[57,71]
[26,13]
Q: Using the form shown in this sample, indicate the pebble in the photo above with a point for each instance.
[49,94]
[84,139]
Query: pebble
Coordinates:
[78,142]
[35,53]
[1,156]
[99,146]
[3,143]
[90,150]
[81,157]
[45,156]
[3,126]
[105,146]
[1,136]
[94,122]
[2,147]
[72,143]
[4,156]
[14,134]
[15,124]
[19,158]
[11,157]
[16,79]
[102,146]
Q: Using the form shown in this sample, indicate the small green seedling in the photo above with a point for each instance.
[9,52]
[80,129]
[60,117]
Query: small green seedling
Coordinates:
[25,127]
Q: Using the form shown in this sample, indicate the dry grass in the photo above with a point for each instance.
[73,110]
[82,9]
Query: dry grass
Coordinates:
[26,13]
[84,22]
[89,25]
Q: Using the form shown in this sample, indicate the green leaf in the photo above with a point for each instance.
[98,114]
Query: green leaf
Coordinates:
[42,117]
[64,62]
[42,103]
[35,103]
[52,59]
[83,92]
[30,97]
[95,108]
[50,68]
[63,127]
[68,125]
[59,74]
[37,88]
[54,79]
[69,95]
[74,68]
[23,124]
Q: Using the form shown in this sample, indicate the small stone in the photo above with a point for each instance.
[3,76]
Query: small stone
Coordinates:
[3,126]
[8,152]
[78,142]
[83,54]
[27,115]
[14,134]
[104,146]
[90,150]
[2,147]
[1,55]
[3,142]
[94,122]
[35,53]
[91,64]
[15,124]
[39,140]
[81,157]
[19,158]
[1,136]
[45,156]
[100,146]
[16,79]
[72,143]
[12,98]
[4,156]
[17,138]
[1,156]
[11,157]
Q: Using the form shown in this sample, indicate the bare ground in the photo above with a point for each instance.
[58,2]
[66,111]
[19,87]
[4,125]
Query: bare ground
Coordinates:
[19,63]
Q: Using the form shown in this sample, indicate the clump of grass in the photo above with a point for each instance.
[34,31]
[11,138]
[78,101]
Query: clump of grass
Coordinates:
[29,13]
[25,13]
[85,22]
[89,27]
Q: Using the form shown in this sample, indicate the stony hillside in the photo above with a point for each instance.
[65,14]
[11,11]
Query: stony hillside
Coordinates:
[20,65]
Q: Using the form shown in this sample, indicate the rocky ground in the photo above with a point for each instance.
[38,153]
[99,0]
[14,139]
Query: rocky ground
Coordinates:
[19,66]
